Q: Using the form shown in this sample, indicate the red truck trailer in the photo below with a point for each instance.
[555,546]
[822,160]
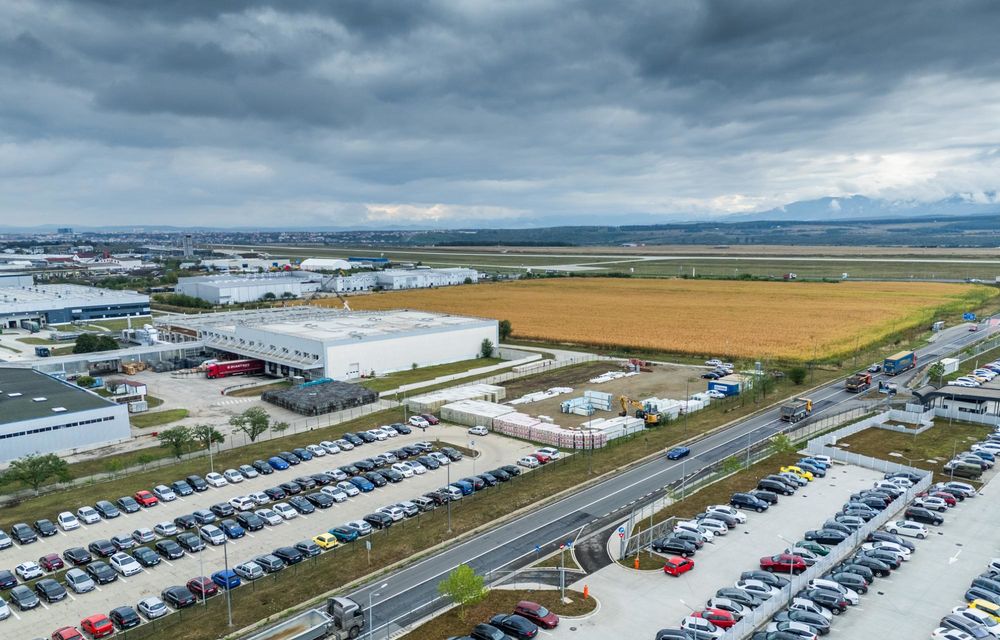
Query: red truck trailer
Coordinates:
[234,368]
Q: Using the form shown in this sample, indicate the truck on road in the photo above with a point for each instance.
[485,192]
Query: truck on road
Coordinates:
[859,382]
[797,409]
[899,362]
[234,368]
[342,618]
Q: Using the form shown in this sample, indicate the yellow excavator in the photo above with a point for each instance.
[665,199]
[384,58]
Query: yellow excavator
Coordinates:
[651,418]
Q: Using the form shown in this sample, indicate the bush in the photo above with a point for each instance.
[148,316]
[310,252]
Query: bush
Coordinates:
[182,300]
[797,375]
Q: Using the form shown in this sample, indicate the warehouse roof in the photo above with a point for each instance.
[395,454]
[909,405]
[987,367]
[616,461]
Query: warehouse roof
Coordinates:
[26,394]
[41,297]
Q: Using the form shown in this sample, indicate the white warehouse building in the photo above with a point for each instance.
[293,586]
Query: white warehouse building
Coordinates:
[328,343]
[235,289]
[395,279]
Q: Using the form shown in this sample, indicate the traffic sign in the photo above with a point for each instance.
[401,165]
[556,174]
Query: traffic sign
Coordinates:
[621,534]
[368,545]
[538,547]
[569,543]
[561,547]
[621,530]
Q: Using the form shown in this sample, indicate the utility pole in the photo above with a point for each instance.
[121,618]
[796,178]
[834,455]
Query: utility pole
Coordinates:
[449,498]
[229,594]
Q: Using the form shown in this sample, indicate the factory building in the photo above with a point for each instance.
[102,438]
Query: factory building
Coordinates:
[326,264]
[326,343]
[396,279]
[40,414]
[234,289]
[22,301]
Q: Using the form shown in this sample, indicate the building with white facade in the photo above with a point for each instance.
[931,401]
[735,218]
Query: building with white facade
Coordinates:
[234,289]
[40,414]
[396,279]
[318,343]
[326,264]
[21,300]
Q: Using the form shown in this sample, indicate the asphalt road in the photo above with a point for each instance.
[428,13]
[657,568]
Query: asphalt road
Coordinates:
[411,593]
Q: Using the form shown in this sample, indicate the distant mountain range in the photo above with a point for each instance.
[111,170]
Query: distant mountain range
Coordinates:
[861,207]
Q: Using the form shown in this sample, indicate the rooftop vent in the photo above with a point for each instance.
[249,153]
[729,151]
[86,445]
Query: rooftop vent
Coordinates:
[14,394]
[39,399]
[58,409]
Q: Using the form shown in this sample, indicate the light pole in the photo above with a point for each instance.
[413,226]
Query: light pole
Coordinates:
[229,593]
[449,498]
[211,462]
[201,565]
[371,606]
[472,445]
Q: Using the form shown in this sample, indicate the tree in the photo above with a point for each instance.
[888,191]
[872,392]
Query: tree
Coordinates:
[85,343]
[287,295]
[505,330]
[936,370]
[268,296]
[176,439]
[85,381]
[463,586]
[467,281]
[280,427]
[797,375]
[207,435]
[253,422]
[486,348]
[33,470]
[144,459]
[731,464]
[781,443]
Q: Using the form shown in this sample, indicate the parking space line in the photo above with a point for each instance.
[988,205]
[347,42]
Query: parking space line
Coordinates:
[14,613]
[45,606]
[168,562]
[122,579]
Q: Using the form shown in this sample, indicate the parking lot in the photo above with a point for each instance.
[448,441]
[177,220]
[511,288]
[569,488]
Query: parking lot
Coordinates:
[637,604]
[494,451]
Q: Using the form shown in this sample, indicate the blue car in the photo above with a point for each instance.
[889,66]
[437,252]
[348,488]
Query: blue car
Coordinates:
[232,529]
[304,456]
[277,463]
[362,483]
[466,487]
[344,534]
[815,469]
[816,463]
[227,579]
[677,453]
[985,455]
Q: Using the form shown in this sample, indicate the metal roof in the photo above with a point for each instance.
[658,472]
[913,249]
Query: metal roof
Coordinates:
[26,394]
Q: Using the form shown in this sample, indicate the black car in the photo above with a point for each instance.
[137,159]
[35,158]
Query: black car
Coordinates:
[101,573]
[671,544]
[876,566]
[169,549]
[275,493]
[349,469]
[856,569]
[886,557]
[250,521]
[270,563]
[178,597]
[320,500]
[412,450]
[766,577]
[439,497]
[488,478]
[689,536]
[774,486]
[814,620]
[190,542]
[197,483]
[500,475]
[740,596]
[381,461]
[125,618]
[849,580]
[181,488]
[367,437]
[106,509]
[185,522]
[487,632]
[511,469]
[288,555]
[958,494]
[289,457]
[45,528]
[478,484]
[392,475]
[22,533]
[453,454]
[920,514]
[49,590]
[515,626]
[301,505]
[7,579]
[128,504]
[978,593]
[365,465]
[146,556]
[308,548]
[77,556]
[909,475]
[375,478]
[401,428]
[378,520]
[321,479]
[23,598]
[303,454]
[769,497]
[401,454]
[832,600]
[874,502]
[290,488]
[353,439]
[429,462]
[262,467]
[838,526]
[885,536]
[102,548]
[222,509]
[826,536]
[204,516]
[306,483]
[865,514]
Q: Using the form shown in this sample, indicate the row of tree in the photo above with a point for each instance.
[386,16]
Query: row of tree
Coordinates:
[252,423]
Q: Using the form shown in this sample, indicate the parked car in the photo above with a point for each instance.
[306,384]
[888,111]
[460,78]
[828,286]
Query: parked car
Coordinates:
[748,501]
[783,563]
[677,565]
[178,597]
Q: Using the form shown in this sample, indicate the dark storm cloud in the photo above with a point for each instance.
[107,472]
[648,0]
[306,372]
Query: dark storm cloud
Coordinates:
[502,110]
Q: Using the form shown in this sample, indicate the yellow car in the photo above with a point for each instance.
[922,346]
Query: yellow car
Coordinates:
[986,607]
[802,473]
[326,541]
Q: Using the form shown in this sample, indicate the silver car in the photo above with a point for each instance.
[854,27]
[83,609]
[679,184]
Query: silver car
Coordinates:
[78,581]
[152,607]
[249,571]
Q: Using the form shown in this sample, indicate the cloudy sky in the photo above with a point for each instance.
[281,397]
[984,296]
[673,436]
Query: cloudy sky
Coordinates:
[458,112]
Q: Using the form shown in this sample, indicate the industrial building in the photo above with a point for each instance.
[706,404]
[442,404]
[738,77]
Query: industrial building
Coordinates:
[326,264]
[22,301]
[327,343]
[40,414]
[420,278]
[235,289]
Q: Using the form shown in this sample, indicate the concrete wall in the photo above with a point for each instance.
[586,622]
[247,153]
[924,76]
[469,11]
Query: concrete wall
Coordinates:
[59,432]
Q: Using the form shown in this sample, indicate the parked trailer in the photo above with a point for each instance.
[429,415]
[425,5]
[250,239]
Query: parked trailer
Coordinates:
[234,368]
[899,362]
[341,619]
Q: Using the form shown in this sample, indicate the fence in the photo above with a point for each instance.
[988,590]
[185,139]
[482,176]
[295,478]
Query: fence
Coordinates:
[464,374]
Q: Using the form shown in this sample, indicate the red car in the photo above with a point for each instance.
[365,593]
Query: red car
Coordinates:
[541,457]
[947,497]
[51,562]
[202,587]
[719,617]
[98,626]
[67,633]
[430,418]
[537,614]
[677,565]
[784,563]
[146,499]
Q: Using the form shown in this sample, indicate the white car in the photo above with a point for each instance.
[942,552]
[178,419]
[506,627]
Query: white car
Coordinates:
[804,604]
[904,483]
[152,608]
[393,512]
[269,516]
[285,510]
[980,617]
[362,527]
[316,450]
[440,457]
[791,627]
[418,421]
[125,564]
[715,394]
[730,511]
[212,535]
[403,469]
[388,431]
[738,610]
[164,493]
[166,529]
[249,571]
[330,447]
[714,362]
[694,527]
[336,474]
[348,488]
[343,444]
[827,460]
[5,541]
[944,633]
[479,431]
[418,469]
[67,521]
[757,588]
[964,383]
[88,515]
[717,527]
[528,461]
[247,471]
[215,479]
[891,547]
[378,434]
[931,502]
[29,570]
[4,609]
[701,627]
[336,493]
[244,503]
[551,452]
[232,476]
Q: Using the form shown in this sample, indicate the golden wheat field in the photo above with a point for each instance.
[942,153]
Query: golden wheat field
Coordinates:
[735,319]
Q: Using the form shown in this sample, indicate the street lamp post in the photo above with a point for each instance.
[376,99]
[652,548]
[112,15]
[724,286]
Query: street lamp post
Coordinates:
[201,564]
[229,593]
[448,466]
[371,607]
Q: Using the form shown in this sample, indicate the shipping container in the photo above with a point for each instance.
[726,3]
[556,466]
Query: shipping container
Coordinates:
[234,368]
[899,362]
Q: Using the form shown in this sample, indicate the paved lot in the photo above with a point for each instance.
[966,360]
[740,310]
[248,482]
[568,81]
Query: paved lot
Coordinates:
[495,451]
[909,605]
[653,600]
